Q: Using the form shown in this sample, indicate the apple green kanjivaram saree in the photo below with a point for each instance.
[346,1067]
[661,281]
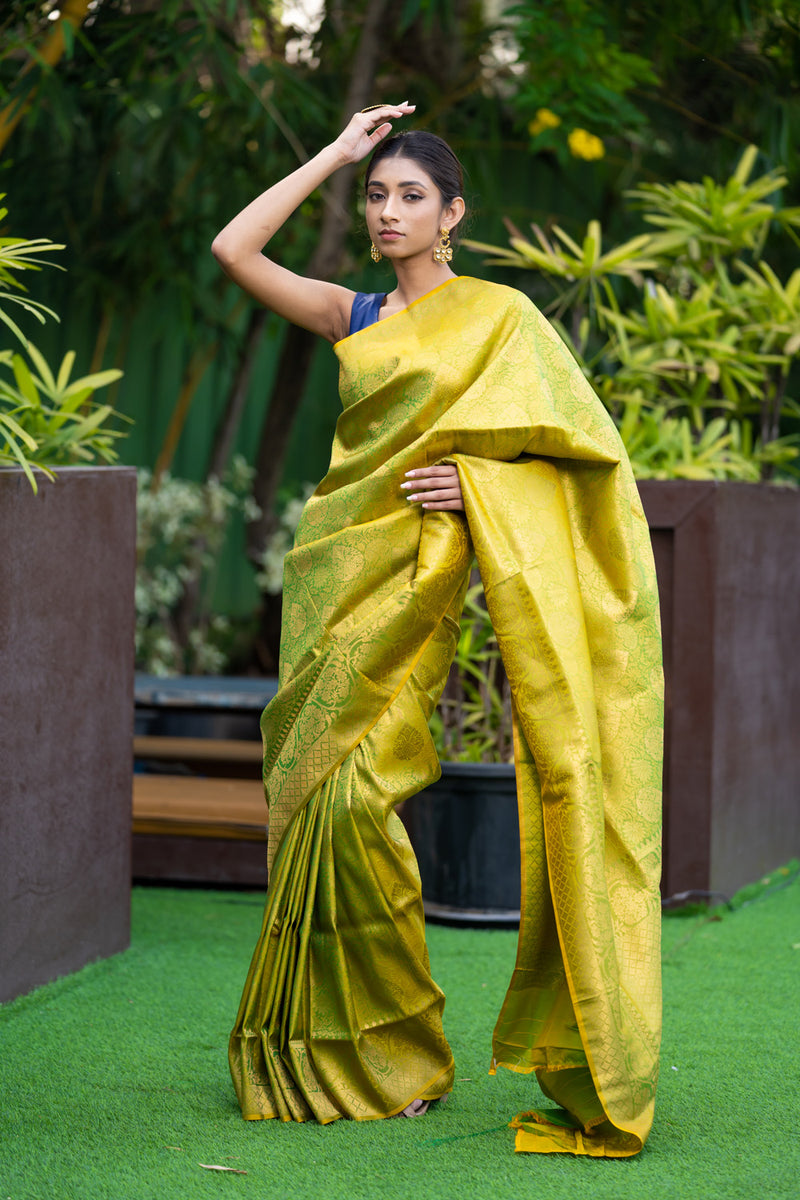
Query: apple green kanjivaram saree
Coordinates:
[340,1016]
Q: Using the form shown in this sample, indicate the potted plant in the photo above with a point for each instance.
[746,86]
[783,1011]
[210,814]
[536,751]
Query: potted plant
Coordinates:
[66,615]
[464,828]
[689,335]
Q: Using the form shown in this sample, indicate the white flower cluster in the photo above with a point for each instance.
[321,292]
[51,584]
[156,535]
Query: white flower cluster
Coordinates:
[181,526]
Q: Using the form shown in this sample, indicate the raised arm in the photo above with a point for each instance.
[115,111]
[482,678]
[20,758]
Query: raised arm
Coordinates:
[322,307]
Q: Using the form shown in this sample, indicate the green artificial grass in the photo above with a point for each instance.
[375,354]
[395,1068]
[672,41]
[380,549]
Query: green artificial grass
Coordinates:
[115,1081]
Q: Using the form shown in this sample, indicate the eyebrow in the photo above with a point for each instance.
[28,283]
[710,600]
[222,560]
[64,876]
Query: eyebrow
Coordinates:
[407,183]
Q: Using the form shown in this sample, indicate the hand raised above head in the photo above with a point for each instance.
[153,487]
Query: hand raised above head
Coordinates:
[435,487]
[366,129]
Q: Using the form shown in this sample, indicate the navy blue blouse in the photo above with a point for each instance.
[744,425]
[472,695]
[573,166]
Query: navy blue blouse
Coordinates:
[366,307]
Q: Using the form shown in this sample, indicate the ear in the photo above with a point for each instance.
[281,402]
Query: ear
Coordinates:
[453,212]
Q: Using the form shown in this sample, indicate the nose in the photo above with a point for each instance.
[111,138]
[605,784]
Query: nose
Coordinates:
[387,212]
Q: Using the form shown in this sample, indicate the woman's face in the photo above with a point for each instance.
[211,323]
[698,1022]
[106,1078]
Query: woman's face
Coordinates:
[404,209]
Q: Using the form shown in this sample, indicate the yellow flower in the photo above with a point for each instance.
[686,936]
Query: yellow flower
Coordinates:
[585,145]
[544,119]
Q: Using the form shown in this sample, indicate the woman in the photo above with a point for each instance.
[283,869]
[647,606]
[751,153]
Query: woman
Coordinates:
[460,399]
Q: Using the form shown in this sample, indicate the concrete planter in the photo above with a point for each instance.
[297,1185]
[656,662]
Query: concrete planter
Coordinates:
[66,720]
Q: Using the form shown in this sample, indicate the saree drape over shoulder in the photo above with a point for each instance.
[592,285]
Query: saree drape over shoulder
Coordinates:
[340,1016]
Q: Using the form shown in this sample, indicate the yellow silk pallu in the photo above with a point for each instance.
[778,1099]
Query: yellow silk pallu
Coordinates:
[340,1016]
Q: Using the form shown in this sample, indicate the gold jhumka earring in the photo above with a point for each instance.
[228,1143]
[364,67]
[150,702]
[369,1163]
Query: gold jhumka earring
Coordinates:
[374,252]
[443,253]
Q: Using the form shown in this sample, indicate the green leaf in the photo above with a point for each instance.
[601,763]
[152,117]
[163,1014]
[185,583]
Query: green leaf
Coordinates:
[25,381]
[568,242]
[592,244]
[46,374]
[15,329]
[16,429]
[92,382]
[69,38]
[65,370]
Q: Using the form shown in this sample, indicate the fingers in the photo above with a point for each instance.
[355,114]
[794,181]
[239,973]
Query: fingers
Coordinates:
[375,121]
[435,487]
[442,476]
[381,112]
[377,135]
[367,128]
[456,505]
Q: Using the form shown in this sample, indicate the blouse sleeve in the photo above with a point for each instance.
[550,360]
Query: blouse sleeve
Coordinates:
[366,307]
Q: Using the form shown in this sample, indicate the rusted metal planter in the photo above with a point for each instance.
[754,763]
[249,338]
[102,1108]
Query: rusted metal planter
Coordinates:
[66,720]
[728,562]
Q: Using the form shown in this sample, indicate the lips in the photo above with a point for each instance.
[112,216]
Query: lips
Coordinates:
[390,235]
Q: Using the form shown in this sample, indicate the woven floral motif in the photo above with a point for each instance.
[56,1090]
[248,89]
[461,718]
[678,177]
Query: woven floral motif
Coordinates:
[340,1016]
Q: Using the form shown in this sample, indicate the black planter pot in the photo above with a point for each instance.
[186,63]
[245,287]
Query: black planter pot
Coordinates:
[465,832]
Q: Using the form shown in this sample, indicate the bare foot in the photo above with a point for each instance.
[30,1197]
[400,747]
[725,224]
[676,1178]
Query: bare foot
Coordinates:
[418,1108]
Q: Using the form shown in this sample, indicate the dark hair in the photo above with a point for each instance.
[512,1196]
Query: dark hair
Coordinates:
[431,153]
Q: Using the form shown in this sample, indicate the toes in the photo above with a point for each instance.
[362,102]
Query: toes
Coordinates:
[416,1108]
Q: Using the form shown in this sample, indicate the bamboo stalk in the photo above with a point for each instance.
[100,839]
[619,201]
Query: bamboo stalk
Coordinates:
[199,363]
[101,339]
[236,399]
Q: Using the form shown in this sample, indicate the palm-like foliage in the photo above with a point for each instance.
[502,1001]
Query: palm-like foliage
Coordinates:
[52,417]
[708,222]
[687,333]
[46,419]
[18,255]
[581,273]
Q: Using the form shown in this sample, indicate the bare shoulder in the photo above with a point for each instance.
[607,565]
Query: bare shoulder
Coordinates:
[321,307]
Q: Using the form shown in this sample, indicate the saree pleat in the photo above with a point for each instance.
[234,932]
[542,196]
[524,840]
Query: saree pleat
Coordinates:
[340,1016]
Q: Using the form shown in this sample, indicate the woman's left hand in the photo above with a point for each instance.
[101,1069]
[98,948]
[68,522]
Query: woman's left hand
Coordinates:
[435,487]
